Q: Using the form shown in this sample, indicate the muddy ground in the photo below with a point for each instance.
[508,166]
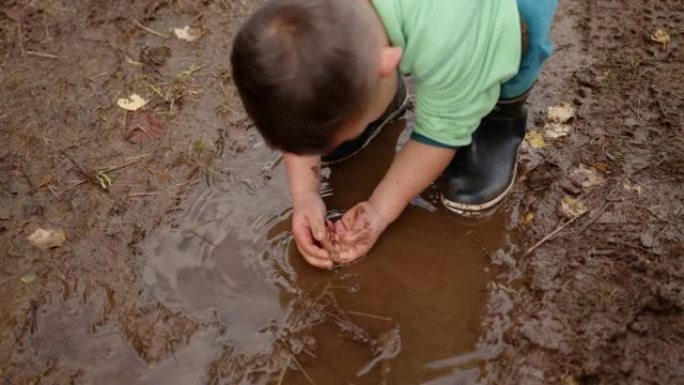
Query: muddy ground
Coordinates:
[181,270]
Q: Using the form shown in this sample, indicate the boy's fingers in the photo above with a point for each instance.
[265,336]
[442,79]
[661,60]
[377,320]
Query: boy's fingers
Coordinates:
[306,246]
[318,228]
[319,263]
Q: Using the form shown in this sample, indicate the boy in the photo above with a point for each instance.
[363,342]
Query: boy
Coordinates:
[319,78]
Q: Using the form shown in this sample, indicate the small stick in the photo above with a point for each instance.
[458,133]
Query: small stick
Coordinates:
[21,41]
[373,316]
[596,216]
[34,317]
[47,30]
[150,30]
[558,230]
[131,160]
[202,237]
[282,374]
[42,54]
[306,374]
[142,194]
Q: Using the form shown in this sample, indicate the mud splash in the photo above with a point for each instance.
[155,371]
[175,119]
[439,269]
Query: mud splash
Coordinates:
[230,262]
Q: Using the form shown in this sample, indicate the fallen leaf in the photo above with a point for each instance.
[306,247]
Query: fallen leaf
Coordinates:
[629,186]
[601,166]
[28,278]
[47,239]
[535,139]
[569,187]
[14,13]
[142,127]
[660,36]
[587,177]
[529,218]
[561,112]
[556,130]
[132,103]
[570,380]
[647,240]
[188,33]
[571,207]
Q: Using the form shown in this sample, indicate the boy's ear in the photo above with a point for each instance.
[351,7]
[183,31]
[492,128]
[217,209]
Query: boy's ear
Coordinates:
[389,60]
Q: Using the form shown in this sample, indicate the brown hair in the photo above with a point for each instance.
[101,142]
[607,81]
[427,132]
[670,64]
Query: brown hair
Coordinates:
[302,69]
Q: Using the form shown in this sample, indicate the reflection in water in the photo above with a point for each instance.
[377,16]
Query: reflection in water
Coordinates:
[399,317]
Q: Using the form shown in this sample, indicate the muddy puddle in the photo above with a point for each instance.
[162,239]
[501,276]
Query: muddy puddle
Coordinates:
[407,314]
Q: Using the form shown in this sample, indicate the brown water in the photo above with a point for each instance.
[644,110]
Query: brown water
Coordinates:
[407,314]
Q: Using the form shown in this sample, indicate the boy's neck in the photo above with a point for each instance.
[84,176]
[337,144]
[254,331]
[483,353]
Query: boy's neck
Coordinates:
[387,89]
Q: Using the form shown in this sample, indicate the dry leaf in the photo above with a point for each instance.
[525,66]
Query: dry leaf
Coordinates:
[586,177]
[601,166]
[660,36]
[556,130]
[14,13]
[46,239]
[535,139]
[629,186]
[529,218]
[188,33]
[142,127]
[561,112]
[571,207]
[132,103]
[28,278]
[570,380]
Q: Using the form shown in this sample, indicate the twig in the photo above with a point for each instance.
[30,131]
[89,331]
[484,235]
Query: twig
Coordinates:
[85,173]
[596,216]
[34,317]
[131,160]
[373,316]
[47,30]
[282,374]
[21,41]
[202,237]
[42,54]
[304,372]
[141,194]
[558,230]
[150,30]
[173,353]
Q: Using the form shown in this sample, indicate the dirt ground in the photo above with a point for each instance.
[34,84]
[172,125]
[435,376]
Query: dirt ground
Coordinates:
[594,296]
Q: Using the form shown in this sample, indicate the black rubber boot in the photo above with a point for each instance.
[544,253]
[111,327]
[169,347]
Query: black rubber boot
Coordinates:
[352,147]
[483,173]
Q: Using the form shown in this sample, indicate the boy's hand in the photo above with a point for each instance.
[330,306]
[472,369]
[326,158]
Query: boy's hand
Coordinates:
[357,232]
[309,228]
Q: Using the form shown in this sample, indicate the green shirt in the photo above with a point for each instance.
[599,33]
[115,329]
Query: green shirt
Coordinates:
[460,52]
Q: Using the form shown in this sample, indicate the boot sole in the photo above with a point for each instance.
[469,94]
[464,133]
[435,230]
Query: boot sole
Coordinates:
[480,209]
[391,117]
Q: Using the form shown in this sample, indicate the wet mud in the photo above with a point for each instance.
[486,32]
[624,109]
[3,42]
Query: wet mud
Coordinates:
[179,267]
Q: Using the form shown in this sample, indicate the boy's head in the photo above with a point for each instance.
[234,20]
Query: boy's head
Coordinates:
[308,71]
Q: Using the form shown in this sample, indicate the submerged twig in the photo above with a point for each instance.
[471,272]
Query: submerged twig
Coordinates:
[202,237]
[304,372]
[367,315]
[282,374]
